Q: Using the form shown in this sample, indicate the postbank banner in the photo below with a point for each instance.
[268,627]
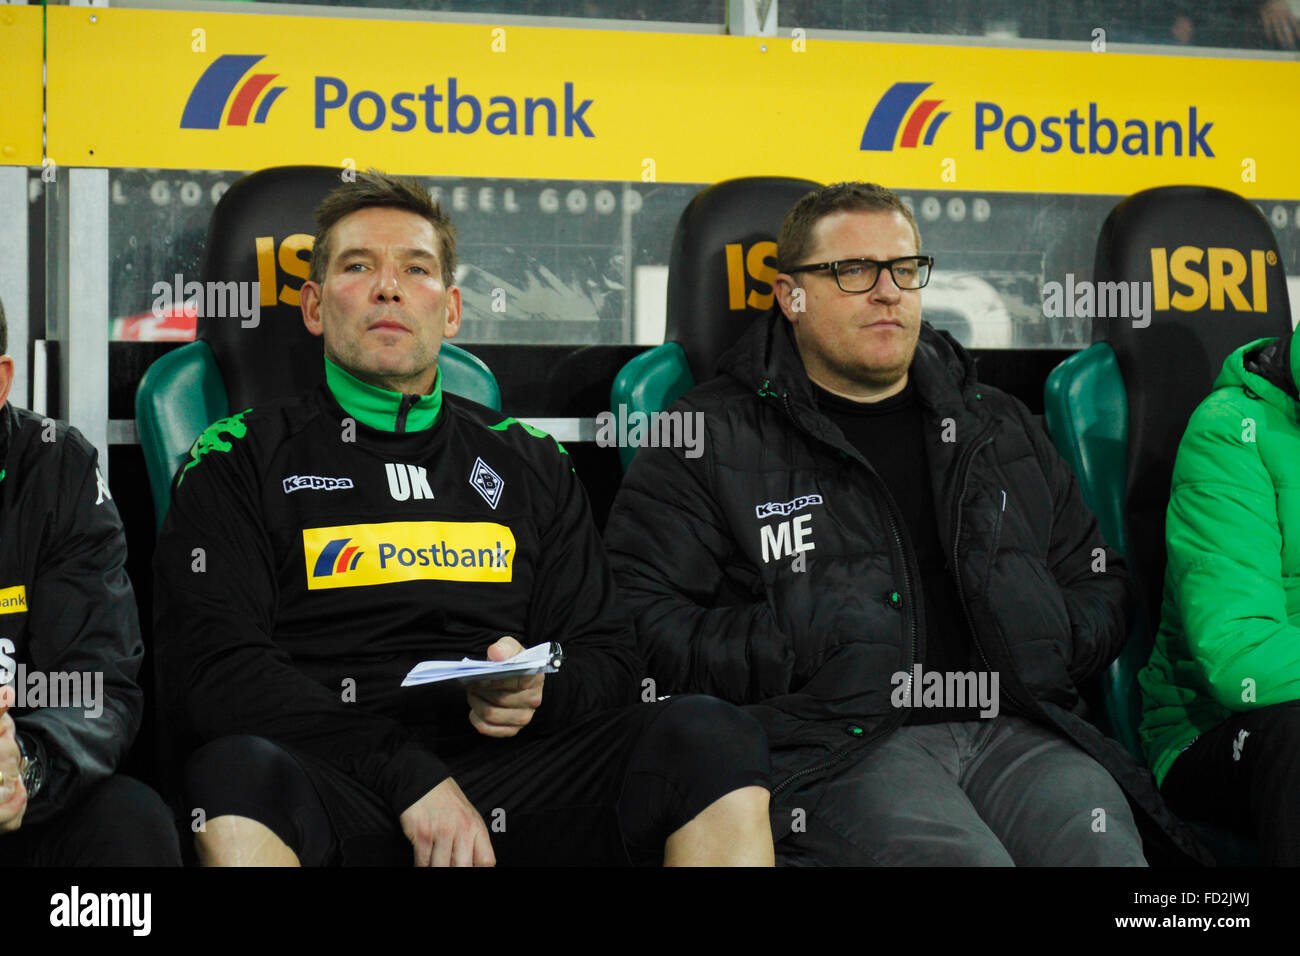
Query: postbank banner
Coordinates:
[193,90]
[20,106]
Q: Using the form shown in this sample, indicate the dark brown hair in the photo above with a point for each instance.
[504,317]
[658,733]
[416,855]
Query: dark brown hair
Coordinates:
[796,238]
[373,188]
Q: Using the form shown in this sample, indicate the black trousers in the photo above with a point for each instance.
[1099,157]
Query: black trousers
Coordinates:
[121,822]
[1245,775]
[609,790]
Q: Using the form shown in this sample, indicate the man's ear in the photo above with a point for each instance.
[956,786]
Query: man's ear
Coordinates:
[6,378]
[451,325]
[309,299]
[784,288]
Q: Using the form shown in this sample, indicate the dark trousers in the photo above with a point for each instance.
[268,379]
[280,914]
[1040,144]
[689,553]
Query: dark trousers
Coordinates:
[1000,792]
[1245,775]
[609,790]
[120,822]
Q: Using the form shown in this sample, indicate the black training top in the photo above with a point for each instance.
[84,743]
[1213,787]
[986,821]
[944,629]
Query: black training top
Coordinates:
[316,550]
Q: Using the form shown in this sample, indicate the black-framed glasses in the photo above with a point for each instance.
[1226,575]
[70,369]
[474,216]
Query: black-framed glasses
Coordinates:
[861,275]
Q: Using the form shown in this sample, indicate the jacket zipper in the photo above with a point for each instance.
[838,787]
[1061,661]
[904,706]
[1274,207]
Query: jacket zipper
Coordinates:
[890,724]
[403,408]
[963,473]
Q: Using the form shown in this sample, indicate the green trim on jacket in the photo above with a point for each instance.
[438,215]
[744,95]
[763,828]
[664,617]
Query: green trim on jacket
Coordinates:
[382,408]
[1229,637]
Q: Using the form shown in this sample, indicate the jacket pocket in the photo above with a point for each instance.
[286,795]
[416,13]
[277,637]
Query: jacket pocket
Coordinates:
[995,538]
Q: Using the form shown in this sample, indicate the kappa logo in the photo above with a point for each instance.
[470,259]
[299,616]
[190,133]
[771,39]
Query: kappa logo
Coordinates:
[785,508]
[211,440]
[315,483]
[486,482]
[207,102]
[101,488]
[408,481]
[1238,744]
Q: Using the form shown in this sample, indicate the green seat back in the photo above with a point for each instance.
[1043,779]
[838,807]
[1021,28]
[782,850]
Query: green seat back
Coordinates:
[1086,408]
[180,395]
[466,375]
[650,383]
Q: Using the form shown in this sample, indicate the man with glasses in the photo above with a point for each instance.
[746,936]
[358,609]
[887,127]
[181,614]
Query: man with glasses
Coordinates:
[890,565]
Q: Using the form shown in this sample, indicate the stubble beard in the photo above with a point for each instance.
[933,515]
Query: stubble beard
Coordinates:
[855,374]
[408,378]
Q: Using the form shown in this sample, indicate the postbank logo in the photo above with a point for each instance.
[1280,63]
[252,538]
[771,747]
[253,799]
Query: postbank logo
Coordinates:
[882,126]
[360,555]
[208,99]
[13,600]
[450,105]
[1189,278]
[1082,130]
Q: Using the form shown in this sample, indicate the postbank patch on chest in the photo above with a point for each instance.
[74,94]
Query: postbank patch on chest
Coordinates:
[359,555]
[13,600]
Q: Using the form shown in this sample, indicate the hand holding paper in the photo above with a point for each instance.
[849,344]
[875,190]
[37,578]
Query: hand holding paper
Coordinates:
[541,659]
[504,706]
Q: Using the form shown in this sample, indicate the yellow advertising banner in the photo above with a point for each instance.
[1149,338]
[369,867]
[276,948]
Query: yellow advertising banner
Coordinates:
[194,90]
[20,106]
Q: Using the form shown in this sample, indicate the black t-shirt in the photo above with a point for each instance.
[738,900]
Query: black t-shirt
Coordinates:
[888,434]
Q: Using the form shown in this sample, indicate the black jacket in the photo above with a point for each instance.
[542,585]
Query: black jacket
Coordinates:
[812,638]
[63,551]
[315,552]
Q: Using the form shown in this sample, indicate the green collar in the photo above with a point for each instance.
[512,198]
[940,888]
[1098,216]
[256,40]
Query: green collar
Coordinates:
[380,408]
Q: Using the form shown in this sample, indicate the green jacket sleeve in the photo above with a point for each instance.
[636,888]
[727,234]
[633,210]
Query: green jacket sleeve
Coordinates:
[1225,560]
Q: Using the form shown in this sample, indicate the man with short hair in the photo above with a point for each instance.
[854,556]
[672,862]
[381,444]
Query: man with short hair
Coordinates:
[70,653]
[889,563]
[380,521]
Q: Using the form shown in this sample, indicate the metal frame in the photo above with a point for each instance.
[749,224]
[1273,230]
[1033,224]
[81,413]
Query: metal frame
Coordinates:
[82,309]
[15,290]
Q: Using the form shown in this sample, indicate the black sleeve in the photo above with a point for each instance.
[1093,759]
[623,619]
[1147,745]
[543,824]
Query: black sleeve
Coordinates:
[83,621]
[670,547]
[576,603]
[220,669]
[1094,580]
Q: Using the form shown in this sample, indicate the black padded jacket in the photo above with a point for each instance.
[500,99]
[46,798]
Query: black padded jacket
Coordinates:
[67,611]
[774,569]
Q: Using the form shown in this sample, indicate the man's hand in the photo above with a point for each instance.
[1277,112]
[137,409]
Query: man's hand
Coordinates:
[500,708]
[1280,24]
[13,795]
[446,830]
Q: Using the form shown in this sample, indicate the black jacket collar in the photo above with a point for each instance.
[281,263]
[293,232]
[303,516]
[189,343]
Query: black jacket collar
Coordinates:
[766,359]
[1273,362]
[7,425]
